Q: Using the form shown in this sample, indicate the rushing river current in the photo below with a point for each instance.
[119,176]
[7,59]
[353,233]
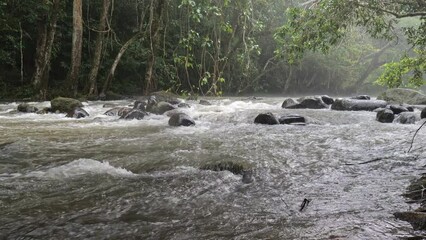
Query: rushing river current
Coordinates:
[105,178]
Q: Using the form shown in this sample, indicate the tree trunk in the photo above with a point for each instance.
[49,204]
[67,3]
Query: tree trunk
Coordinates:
[123,49]
[154,27]
[45,40]
[77,42]
[93,89]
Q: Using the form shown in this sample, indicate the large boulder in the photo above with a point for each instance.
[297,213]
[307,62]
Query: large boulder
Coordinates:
[289,102]
[160,108]
[292,119]
[118,111]
[344,104]
[134,114]
[266,118]
[397,109]
[181,119]
[327,99]
[26,108]
[163,96]
[385,116]
[64,105]
[406,118]
[403,95]
[416,219]
[77,113]
[423,113]
[309,103]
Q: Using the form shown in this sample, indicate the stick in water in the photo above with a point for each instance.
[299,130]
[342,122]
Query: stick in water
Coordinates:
[412,140]
[304,204]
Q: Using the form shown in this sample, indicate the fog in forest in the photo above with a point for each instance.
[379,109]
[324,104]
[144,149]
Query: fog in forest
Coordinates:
[102,49]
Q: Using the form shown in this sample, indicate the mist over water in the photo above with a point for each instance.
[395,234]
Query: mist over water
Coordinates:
[104,178]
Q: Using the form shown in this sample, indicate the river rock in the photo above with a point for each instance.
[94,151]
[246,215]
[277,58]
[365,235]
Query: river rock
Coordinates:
[344,104]
[64,105]
[204,102]
[423,113]
[26,108]
[327,100]
[406,118]
[134,114]
[266,118]
[181,119]
[397,109]
[163,96]
[416,219]
[248,176]
[160,108]
[118,111]
[184,105]
[289,102]
[45,110]
[77,113]
[237,168]
[385,116]
[140,105]
[309,103]
[403,95]
[292,119]
[361,97]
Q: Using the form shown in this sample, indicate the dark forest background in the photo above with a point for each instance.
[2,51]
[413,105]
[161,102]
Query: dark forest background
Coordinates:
[99,48]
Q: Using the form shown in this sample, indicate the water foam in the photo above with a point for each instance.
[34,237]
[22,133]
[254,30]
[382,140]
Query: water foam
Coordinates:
[82,167]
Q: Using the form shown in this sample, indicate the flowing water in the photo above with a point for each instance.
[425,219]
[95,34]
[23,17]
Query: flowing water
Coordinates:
[104,178]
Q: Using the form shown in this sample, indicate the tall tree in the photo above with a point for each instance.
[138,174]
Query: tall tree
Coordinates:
[45,41]
[96,61]
[77,43]
[154,26]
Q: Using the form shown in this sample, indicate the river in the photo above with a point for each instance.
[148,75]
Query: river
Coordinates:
[104,178]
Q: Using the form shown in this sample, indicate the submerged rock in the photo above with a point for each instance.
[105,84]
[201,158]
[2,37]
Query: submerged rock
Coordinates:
[134,114]
[266,118]
[77,113]
[231,166]
[26,108]
[118,111]
[184,105]
[344,104]
[361,97]
[204,102]
[181,119]
[64,105]
[385,116]
[292,119]
[403,95]
[406,118]
[309,103]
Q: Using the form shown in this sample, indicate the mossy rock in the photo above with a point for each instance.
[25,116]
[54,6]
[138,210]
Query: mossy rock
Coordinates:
[64,105]
[403,95]
[163,96]
[236,168]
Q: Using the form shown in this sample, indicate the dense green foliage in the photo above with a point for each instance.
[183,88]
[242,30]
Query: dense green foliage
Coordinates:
[209,47]
[321,24]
